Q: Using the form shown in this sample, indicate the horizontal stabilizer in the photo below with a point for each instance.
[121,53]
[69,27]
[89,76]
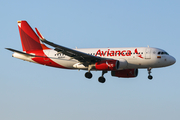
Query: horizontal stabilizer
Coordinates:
[20,52]
[30,55]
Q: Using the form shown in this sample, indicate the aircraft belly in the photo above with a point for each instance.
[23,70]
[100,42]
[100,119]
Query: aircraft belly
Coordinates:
[139,63]
[64,62]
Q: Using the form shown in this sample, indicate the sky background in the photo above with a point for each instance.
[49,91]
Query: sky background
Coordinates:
[30,91]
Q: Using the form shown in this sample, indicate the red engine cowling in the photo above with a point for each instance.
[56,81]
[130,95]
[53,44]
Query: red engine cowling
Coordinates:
[107,65]
[128,73]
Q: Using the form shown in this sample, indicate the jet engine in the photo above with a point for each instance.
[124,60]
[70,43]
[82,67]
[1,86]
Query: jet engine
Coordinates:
[127,73]
[123,64]
[107,65]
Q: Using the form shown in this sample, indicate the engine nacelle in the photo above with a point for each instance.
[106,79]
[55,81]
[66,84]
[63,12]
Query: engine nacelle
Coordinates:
[127,73]
[123,64]
[107,65]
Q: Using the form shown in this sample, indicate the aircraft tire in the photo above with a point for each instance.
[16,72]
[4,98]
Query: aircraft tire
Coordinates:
[88,75]
[101,79]
[150,77]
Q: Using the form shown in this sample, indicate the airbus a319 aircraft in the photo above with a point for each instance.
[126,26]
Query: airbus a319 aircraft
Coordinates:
[121,62]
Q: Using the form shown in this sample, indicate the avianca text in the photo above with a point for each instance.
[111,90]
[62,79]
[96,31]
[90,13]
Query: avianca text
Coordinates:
[113,53]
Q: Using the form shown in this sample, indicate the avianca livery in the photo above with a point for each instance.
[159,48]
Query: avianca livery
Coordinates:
[122,62]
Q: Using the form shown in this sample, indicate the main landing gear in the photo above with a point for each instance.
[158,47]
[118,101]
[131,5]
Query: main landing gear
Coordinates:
[100,79]
[150,77]
[89,75]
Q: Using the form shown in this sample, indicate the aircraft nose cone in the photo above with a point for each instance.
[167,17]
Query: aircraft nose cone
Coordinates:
[172,60]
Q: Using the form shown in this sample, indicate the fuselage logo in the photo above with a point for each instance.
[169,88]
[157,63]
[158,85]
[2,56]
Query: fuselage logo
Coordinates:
[113,53]
[117,53]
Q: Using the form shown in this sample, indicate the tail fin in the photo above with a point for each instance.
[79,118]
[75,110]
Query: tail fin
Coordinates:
[30,41]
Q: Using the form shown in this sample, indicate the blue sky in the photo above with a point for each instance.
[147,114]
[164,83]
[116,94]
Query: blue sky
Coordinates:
[31,91]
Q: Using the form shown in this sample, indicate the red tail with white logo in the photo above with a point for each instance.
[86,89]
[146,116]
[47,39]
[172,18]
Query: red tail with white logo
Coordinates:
[30,41]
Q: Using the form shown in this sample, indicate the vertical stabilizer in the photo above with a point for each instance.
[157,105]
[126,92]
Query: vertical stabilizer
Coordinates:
[29,39]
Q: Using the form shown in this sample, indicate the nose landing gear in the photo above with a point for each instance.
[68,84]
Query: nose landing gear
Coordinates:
[150,77]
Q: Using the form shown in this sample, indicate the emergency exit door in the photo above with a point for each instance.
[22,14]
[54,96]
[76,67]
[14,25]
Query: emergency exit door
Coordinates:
[148,53]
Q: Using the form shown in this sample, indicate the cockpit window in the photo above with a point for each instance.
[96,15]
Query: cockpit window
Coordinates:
[166,53]
[163,53]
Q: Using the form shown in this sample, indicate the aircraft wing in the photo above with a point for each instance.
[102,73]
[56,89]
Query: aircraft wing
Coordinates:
[82,57]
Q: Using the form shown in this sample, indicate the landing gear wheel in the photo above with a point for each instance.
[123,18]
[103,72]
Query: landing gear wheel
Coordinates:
[150,77]
[101,79]
[88,75]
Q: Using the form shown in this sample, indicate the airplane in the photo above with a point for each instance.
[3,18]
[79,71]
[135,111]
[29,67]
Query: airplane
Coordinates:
[121,62]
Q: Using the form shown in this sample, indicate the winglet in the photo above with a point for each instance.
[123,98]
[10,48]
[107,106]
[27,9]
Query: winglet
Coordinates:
[39,34]
[41,38]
